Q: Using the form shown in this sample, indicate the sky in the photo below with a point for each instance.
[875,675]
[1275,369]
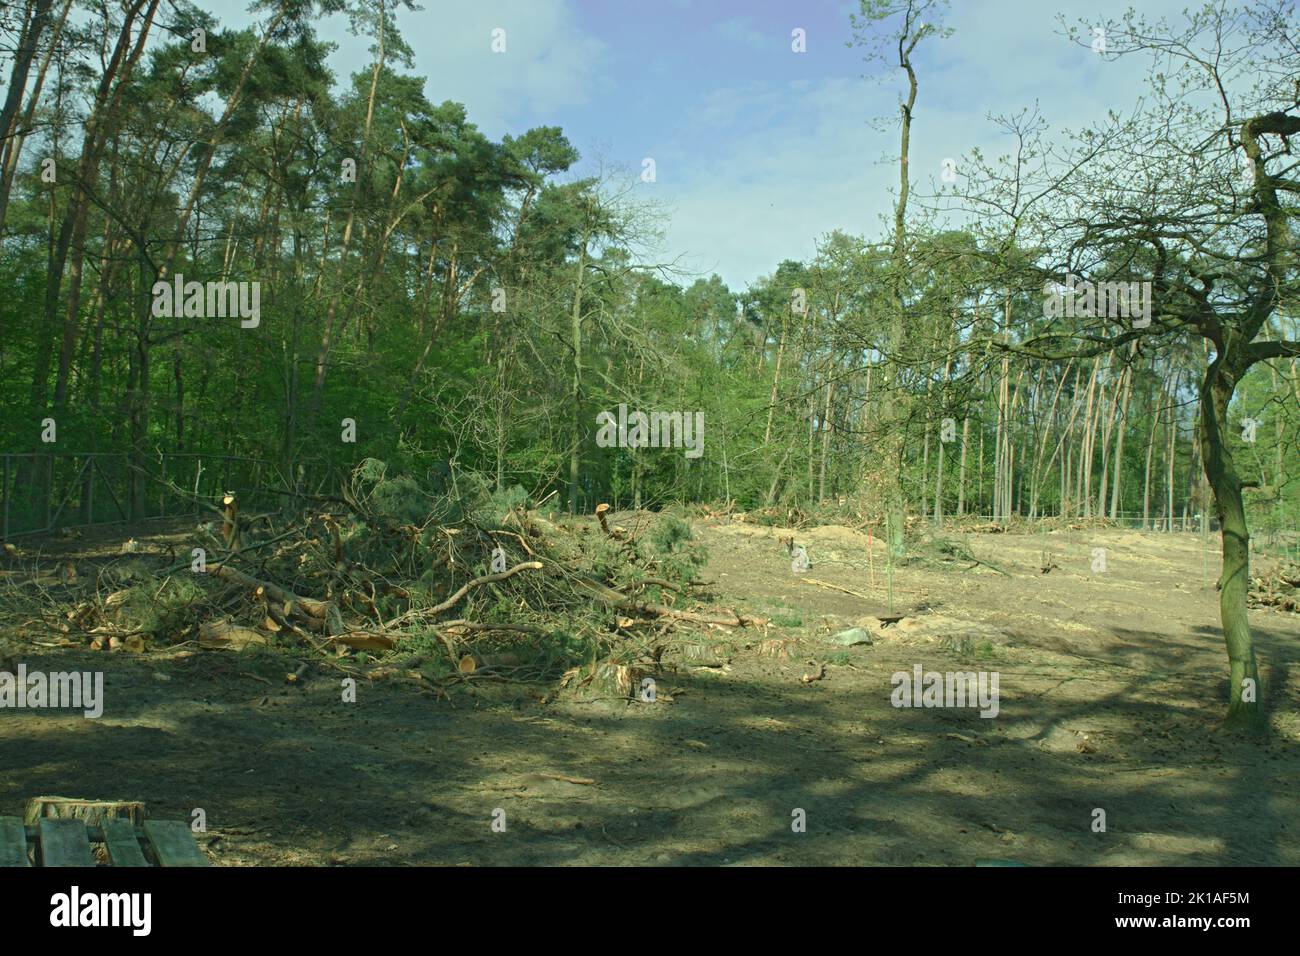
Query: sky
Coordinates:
[758,150]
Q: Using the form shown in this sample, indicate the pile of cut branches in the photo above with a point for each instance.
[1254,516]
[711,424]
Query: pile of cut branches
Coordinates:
[1276,586]
[390,576]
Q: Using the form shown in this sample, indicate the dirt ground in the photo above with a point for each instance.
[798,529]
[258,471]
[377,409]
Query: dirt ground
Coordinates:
[1111,690]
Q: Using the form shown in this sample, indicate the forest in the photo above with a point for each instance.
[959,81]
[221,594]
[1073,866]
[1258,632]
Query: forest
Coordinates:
[227,273]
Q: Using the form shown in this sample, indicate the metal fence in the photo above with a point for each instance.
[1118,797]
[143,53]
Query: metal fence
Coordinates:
[41,492]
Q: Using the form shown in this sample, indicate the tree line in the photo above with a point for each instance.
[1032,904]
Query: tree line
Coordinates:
[453,304]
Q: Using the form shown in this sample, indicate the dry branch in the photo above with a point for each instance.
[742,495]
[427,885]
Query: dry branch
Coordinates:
[479,581]
[293,602]
[613,598]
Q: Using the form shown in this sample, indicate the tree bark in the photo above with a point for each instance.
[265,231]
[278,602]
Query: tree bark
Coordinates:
[1245,708]
[1126,386]
[961,468]
[575,395]
[33,26]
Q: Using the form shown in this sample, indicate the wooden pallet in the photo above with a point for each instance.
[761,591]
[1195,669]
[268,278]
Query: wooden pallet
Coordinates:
[68,843]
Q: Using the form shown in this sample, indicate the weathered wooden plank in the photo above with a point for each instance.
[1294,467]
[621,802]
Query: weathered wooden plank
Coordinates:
[173,843]
[13,842]
[65,843]
[123,847]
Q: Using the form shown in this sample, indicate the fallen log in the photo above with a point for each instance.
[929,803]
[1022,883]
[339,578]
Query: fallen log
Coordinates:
[364,641]
[293,602]
[479,626]
[222,635]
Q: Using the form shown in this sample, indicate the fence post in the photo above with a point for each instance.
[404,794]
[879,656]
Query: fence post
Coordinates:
[5,535]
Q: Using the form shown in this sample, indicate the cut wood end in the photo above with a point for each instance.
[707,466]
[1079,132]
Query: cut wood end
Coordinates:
[91,812]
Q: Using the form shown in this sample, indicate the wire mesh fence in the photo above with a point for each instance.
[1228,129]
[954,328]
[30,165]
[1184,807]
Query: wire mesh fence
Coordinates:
[41,492]
[1271,533]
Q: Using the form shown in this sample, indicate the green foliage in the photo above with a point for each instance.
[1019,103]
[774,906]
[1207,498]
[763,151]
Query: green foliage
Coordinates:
[673,544]
[491,507]
[165,609]
[401,500]
[475,407]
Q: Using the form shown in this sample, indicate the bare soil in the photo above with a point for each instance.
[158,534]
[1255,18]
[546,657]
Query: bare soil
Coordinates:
[1111,691]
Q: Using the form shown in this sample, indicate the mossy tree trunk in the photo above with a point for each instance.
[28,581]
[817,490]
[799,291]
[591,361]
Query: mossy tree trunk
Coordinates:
[1244,694]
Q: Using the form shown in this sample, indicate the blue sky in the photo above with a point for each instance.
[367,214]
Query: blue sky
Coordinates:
[758,150]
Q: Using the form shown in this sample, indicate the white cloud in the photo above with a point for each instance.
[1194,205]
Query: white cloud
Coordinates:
[550,65]
[743,30]
[788,163]
[794,164]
